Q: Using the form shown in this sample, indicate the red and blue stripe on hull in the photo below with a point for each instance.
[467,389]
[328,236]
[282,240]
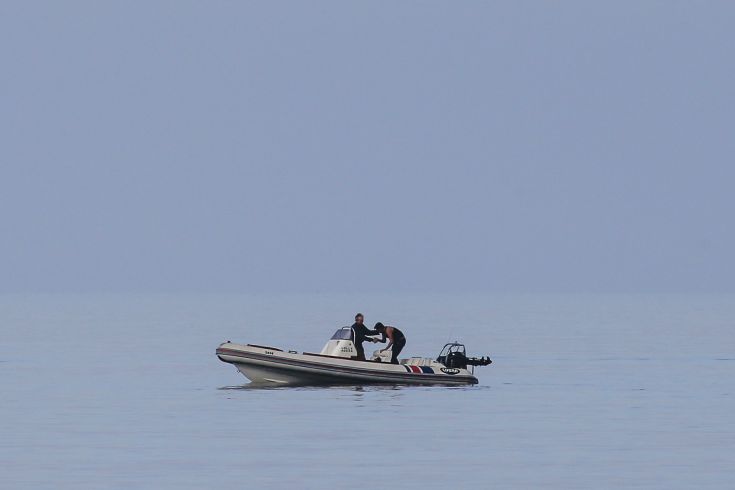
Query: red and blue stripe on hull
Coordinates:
[419,369]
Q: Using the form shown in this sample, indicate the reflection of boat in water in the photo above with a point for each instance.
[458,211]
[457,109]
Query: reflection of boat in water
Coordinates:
[337,364]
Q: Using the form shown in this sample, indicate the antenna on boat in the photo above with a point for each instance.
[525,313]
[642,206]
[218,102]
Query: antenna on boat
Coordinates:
[451,334]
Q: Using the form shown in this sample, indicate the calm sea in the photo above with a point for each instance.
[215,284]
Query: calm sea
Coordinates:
[586,391]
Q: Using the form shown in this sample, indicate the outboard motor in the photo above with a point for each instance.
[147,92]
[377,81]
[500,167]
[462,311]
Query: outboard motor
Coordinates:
[342,344]
[454,355]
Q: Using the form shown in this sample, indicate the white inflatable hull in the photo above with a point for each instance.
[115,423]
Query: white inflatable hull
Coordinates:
[270,365]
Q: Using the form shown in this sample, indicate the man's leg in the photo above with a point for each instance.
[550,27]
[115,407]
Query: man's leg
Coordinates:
[397,348]
[360,352]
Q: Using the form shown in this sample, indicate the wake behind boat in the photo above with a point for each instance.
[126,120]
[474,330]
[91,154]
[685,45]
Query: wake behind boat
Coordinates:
[338,363]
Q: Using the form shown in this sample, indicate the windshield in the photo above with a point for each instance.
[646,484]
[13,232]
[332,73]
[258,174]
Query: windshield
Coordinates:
[344,333]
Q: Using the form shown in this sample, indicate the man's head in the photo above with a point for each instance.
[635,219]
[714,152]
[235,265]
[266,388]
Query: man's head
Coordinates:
[379,327]
[359,319]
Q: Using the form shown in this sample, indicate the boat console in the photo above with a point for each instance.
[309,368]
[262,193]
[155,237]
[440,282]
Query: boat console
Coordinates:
[342,344]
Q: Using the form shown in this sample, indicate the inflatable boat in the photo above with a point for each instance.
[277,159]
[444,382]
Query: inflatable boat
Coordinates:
[337,363]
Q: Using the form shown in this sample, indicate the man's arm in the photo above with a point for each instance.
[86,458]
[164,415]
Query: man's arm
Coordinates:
[365,332]
[373,339]
[390,336]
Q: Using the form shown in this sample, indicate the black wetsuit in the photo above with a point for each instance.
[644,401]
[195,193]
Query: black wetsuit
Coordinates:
[361,334]
[399,342]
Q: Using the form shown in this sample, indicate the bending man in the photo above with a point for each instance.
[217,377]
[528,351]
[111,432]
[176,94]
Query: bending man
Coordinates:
[396,337]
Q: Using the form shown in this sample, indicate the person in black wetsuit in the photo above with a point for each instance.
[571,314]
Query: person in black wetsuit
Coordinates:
[396,337]
[362,334]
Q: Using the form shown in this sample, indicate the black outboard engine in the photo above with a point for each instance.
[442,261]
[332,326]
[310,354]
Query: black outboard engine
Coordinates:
[454,355]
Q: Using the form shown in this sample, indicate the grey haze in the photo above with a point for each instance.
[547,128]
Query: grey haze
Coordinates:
[367,146]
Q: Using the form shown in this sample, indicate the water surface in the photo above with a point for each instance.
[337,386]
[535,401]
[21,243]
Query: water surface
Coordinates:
[586,391]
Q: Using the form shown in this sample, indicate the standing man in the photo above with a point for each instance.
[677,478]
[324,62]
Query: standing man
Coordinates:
[396,337]
[361,335]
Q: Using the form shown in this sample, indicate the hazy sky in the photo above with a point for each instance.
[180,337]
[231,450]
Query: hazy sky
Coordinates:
[367,146]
